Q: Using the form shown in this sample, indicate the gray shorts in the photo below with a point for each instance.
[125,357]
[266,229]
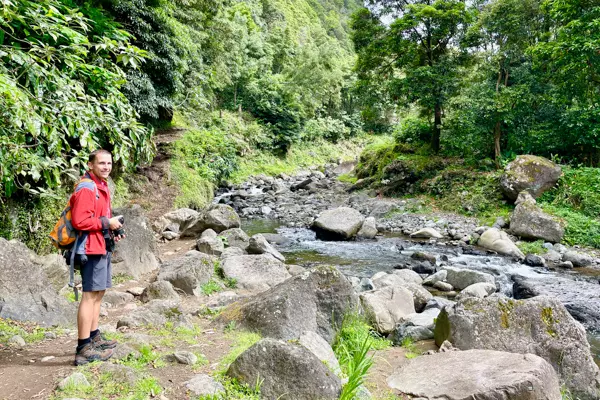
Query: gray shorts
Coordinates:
[96,273]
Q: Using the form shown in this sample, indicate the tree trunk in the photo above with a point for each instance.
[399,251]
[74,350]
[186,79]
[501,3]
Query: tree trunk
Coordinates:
[437,128]
[497,135]
[240,111]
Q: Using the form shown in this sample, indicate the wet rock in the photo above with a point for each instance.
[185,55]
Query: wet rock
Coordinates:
[462,278]
[255,273]
[338,224]
[236,237]
[189,272]
[565,265]
[535,260]
[421,256]
[385,307]
[259,245]
[522,289]
[426,233]
[577,259]
[159,290]
[439,276]
[540,325]
[498,241]
[314,301]
[529,173]
[477,374]
[368,229]
[479,290]
[204,385]
[290,369]
[529,221]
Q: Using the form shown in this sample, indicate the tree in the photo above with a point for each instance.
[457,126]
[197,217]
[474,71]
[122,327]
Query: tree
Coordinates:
[416,54]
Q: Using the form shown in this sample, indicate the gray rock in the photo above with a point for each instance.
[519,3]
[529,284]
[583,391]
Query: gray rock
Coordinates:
[136,254]
[189,272]
[219,217]
[209,234]
[120,374]
[295,269]
[498,241]
[259,245]
[291,370]
[170,235]
[540,325]
[232,251]
[142,317]
[443,286]
[529,221]
[461,278]
[439,276]
[338,224]
[123,351]
[500,223]
[314,301]
[561,248]
[420,295]
[565,265]
[529,173]
[213,246]
[385,307]
[17,341]
[185,357]
[159,290]
[255,273]
[579,260]
[116,298]
[477,374]
[552,256]
[414,333]
[522,289]
[426,233]
[76,379]
[236,237]
[50,335]
[439,303]
[204,385]
[29,296]
[320,348]
[368,229]
[366,284]
[480,290]
[535,260]
[182,217]
[408,275]
[422,256]
[275,238]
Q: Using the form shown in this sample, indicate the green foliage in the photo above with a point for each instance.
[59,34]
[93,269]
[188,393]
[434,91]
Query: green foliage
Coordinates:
[147,358]
[578,189]
[536,247]
[121,278]
[235,391]
[580,229]
[211,287]
[60,96]
[30,332]
[413,130]
[411,349]
[242,341]
[376,156]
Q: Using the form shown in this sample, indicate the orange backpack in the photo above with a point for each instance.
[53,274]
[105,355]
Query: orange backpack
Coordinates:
[63,235]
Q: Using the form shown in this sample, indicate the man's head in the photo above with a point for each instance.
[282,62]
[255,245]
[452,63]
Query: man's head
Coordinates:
[100,163]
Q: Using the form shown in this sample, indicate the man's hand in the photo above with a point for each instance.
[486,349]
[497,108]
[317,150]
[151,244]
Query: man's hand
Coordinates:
[114,223]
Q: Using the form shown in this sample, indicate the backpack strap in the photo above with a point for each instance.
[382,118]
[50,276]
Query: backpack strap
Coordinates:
[72,269]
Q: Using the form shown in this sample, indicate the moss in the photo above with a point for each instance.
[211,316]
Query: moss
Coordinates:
[549,320]
[506,307]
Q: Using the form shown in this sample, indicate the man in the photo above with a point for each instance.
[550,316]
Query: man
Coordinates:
[91,217]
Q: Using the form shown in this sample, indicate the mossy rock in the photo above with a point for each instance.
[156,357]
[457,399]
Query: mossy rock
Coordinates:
[529,173]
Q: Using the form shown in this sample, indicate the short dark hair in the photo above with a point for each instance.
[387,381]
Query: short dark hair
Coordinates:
[94,153]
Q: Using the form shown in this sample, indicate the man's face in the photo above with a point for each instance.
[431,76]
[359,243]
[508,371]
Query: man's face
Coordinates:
[101,166]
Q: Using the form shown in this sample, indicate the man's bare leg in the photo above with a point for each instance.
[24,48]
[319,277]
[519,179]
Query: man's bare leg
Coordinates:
[85,314]
[97,305]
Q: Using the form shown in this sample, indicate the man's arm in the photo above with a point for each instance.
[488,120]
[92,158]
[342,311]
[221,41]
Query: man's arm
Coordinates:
[82,212]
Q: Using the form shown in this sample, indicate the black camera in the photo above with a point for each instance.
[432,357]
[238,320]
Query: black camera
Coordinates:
[78,260]
[120,231]
[109,236]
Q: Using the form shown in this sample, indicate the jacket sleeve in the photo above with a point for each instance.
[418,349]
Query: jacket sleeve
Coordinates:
[83,216]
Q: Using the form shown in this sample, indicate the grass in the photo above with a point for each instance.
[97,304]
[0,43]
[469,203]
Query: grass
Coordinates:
[29,331]
[147,358]
[409,345]
[211,287]
[241,341]
[170,335]
[234,391]
[121,278]
[536,247]
[347,178]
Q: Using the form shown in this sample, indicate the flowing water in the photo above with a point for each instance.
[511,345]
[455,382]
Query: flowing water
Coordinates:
[365,258]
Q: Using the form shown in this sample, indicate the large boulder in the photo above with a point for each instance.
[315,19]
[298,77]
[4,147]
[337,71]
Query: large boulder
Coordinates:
[189,272]
[385,307]
[255,273]
[235,237]
[26,293]
[286,370]
[498,241]
[579,260]
[314,301]
[420,295]
[338,224]
[481,290]
[210,245]
[529,221]
[219,217]
[540,325]
[529,173]
[176,221]
[368,229]
[136,254]
[476,374]
[418,326]
[462,278]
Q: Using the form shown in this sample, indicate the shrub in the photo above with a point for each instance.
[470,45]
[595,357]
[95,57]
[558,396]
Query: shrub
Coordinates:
[413,130]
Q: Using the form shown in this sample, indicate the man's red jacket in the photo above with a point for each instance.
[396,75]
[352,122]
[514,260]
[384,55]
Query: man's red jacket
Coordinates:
[90,211]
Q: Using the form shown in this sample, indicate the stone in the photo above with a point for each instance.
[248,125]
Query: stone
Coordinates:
[498,241]
[219,217]
[426,233]
[136,254]
[341,223]
[522,289]
[461,278]
[17,341]
[185,357]
[540,325]
[529,221]
[291,369]
[552,256]
[26,293]
[320,348]
[204,385]
[47,358]
[189,272]
[577,259]
[159,290]
[408,275]
[232,251]
[76,379]
[116,298]
[235,237]
[120,374]
[499,223]
[476,374]
[213,246]
[209,234]
[422,256]
[255,273]
[443,286]
[275,238]
[420,295]
[565,265]
[439,276]
[259,245]
[368,229]
[168,235]
[314,301]
[142,317]
[480,290]
[385,307]
[181,217]
[439,303]
[529,173]
[535,261]
[295,269]
[123,350]
[50,335]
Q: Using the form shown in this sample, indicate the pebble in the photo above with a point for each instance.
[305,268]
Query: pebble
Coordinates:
[77,379]
[47,358]
[136,291]
[50,335]
[17,341]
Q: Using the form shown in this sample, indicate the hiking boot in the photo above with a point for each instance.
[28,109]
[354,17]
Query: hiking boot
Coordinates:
[102,343]
[89,353]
